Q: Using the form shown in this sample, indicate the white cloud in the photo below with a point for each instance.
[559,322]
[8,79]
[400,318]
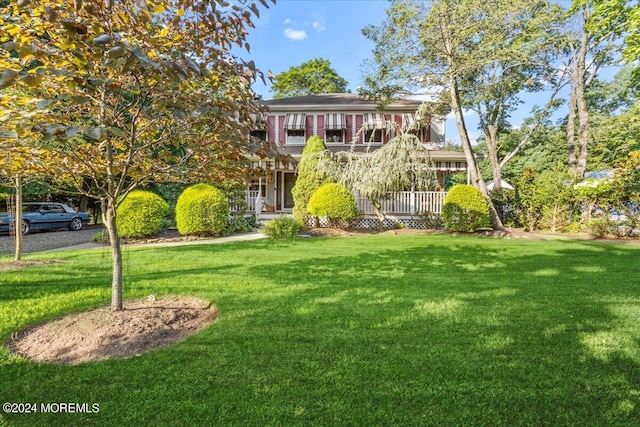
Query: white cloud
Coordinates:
[318,26]
[292,34]
[289,21]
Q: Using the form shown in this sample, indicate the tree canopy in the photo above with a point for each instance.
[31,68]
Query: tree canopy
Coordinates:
[311,77]
[122,93]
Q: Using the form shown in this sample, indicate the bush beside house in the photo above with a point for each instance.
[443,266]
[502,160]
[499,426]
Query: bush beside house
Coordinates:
[309,177]
[465,209]
[202,209]
[141,214]
[334,202]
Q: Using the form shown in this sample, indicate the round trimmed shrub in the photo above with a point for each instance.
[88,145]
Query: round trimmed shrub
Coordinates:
[202,209]
[141,214]
[334,202]
[465,209]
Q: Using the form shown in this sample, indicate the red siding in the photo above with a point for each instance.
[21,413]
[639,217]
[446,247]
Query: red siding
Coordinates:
[282,136]
[398,121]
[321,126]
[386,136]
[271,133]
[359,120]
[308,124]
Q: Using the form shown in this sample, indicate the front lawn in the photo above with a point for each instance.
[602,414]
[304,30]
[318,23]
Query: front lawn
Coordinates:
[372,330]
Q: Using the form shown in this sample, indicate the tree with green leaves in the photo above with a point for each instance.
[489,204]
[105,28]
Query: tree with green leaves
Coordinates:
[589,47]
[310,178]
[623,18]
[124,93]
[484,55]
[308,78]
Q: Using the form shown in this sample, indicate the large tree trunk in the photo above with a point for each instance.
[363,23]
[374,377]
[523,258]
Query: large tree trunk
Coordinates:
[474,172]
[491,133]
[109,219]
[578,106]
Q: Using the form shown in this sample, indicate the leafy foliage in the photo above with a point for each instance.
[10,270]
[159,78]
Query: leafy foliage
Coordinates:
[282,227]
[141,214]
[333,201]
[483,55]
[239,223]
[626,188]
[123,93]
[545,199]
[314,76]
[202,209]
[465,209]
[310,177]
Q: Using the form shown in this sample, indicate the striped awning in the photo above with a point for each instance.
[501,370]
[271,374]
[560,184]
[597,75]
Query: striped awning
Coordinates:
[450,166]
[408,120]
[373,121]
[294,122]
[335,121]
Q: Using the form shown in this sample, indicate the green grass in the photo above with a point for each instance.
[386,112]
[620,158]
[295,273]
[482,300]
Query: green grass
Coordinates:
[374,330]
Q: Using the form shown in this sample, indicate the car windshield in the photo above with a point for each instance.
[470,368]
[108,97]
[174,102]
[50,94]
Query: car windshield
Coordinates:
[31,208]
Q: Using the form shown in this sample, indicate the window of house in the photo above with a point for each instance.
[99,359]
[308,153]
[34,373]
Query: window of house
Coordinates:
[295,136]
[373,136]
[333,136]
[259,134]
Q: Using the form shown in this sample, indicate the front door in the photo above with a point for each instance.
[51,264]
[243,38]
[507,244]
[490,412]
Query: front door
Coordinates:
[285,181]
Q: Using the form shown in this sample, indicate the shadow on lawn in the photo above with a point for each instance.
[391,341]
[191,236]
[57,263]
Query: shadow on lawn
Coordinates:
[433,331]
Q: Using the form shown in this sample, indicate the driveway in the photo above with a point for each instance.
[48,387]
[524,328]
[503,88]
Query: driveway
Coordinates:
[38,241]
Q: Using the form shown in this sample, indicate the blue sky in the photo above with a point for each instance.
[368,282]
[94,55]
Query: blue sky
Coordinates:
[294,31]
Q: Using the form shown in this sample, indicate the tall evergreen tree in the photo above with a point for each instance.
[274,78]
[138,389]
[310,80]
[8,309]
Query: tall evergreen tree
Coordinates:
[310,178]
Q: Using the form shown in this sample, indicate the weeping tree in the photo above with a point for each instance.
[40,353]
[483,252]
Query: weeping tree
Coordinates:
[401,164]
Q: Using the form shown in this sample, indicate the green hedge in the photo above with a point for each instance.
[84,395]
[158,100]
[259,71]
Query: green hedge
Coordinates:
[333,201]
[202,209]
[465,209]
[141,214]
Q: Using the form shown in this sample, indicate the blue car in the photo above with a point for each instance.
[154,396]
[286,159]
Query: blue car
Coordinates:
[45,216]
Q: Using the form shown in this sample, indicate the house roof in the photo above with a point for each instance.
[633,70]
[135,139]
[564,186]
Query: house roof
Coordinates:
[337,101]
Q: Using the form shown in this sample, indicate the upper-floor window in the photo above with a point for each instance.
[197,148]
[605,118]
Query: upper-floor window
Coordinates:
[374,125]
[334,128]
[295,136]
[294,127]
[334,136]
[373,136]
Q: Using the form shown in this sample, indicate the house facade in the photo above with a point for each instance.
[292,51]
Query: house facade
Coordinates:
[345,122]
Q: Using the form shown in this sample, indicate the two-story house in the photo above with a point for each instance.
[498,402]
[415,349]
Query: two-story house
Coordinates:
[345,121]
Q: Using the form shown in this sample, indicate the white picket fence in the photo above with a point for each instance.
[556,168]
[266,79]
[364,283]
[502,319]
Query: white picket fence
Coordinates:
[400,203]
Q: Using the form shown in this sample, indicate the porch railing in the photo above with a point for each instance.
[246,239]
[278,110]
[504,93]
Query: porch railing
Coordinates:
[406,203]
[401,203]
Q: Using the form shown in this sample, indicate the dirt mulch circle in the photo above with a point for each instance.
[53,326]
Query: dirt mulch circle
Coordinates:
[100,334]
